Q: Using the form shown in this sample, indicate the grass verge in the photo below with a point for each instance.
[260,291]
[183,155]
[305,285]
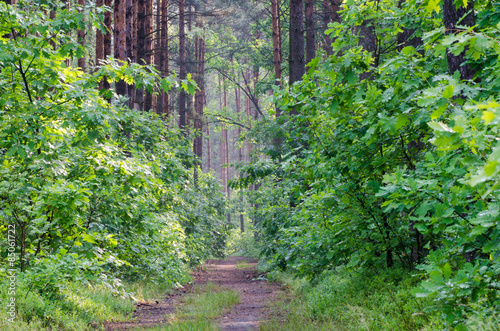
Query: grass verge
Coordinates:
[339,300]
[75,307]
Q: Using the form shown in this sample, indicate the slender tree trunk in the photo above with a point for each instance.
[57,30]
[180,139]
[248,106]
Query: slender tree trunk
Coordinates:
[148,55]
[190,64]
[240,149]
[103,41]
[182,64]
[81,36]
[454,16]
[310,32]
[226,146]
[209,149]
[130,18]
[158,56]
[68,7]
[120,48]
[99,37]
[296,57]
[199,96]
[164,52]
[276,43]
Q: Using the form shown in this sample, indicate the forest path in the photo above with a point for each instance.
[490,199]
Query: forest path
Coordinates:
[234,273]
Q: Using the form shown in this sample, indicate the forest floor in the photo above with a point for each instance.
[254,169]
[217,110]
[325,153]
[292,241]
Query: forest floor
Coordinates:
[236,274]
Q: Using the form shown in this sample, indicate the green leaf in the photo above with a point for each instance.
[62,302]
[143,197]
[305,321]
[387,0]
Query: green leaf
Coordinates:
[448,92]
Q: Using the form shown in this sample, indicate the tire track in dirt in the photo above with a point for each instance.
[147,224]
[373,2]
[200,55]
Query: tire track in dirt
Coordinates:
[235,273]
[255,294]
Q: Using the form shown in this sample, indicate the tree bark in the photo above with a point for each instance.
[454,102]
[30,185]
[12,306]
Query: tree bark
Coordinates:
[209,149]
[148,55]
[182,64]
[199,96]
[310,31]
[297,61]
[120,49]
[103,41]
[276,43]
[453,17]
[130,18]
[81,36]
[165,53]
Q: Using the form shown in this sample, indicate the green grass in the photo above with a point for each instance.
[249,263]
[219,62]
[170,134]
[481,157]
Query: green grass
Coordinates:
[81,307]
[76,307]
[339,300]
[201,310]
[243,265]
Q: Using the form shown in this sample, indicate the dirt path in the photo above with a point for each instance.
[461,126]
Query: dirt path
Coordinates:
[235,273]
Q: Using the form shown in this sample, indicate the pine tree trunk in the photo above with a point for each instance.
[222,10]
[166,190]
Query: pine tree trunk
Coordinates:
[120,49]
[148,55]
[81,36]
[310,32]
[296,57]
[226,146]
[164,52]
[182,64]
[276,43]
[130,18]
[158,56]
[103,41]
[199,96]
[209,149]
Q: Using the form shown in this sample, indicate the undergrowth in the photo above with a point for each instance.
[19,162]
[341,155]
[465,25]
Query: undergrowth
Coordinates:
[342,300]
[76,306]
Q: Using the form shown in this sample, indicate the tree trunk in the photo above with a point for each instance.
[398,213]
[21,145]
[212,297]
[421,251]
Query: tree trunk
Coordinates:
[120,49]
[226,146]
[164,52]
[310,32]
[454,16]
[297,62]
[199,96]
[276,43]
[103,41]
[209,149]
[158,56]
[130,18]
[182,65]
[81,36]
[148,55]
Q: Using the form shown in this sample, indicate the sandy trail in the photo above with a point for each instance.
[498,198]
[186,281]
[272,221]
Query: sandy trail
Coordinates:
[235,273]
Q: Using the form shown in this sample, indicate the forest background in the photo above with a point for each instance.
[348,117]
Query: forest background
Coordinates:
[343,140]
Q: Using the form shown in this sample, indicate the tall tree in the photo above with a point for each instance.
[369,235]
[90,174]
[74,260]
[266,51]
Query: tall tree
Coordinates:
[200,94]
[131,39]
[81,35]
[310,31]
[120,39]
[148,55]
[164,52]
[276,42]
[103,40]
[296,57]
[144,27]
[182,64]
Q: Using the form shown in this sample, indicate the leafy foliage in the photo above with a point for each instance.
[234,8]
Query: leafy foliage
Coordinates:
[97,192]
[390,160]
